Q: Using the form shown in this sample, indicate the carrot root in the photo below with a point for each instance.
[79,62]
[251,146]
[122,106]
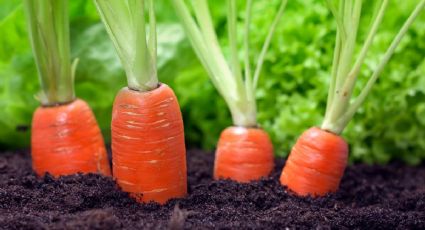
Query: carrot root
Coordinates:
[66,140]
[243,154]
[148,150]
[316,163]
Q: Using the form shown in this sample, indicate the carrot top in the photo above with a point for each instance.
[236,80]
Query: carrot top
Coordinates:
[49,34]
[340,109]
[237,91]
[126,26]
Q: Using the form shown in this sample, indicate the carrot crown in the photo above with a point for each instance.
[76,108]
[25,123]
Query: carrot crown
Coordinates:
[49,34]
[340,109]
[125,23]
[237,91]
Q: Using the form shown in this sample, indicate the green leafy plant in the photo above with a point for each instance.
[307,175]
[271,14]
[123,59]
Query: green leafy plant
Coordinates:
[290,97]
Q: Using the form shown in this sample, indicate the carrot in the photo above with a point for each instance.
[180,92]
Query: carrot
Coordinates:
[243,154]
[65,137]
[66,140]
[148,149]
[316,163]
[149,155]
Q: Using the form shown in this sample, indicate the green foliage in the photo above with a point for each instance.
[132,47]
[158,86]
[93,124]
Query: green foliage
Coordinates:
[292,89]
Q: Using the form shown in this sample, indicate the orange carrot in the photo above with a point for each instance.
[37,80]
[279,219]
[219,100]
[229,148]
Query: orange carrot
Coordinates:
[149,155]
[66,140]
[148,150]
[316,163]
[65,136]
[243,154]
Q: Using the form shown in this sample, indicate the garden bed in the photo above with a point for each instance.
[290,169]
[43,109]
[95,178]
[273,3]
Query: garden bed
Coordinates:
[381,197]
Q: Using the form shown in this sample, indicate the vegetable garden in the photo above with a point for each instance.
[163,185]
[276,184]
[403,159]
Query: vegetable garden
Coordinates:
[200,114]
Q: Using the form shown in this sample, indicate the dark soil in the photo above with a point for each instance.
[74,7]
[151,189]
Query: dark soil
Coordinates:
[379,197]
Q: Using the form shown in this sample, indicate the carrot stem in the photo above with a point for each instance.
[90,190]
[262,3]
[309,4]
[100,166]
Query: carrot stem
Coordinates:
[246,43]
[339,109]
[232,34]
[125,24]
[238,93]
[48,23]
[360,99]
[152,42]
[267,42]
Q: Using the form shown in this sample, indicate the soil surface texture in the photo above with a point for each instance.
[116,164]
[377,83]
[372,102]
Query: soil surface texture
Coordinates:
[370,197]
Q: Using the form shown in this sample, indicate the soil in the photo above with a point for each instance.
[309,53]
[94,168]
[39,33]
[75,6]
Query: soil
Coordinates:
[378,197]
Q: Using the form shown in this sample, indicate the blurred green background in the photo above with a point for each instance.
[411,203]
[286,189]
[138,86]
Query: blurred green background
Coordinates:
[292,90]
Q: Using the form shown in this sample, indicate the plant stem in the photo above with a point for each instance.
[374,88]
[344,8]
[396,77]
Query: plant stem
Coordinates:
[152,43]
[331,91]
[214,55]
[126,26]
[48,23]
[340,99]
[352,75]
[341,111]
[232,33]
[266,44]
[227,78]
[362,96]
[248,77]
[338,19]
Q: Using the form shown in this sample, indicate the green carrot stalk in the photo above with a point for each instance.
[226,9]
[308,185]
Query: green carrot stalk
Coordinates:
[49,32]
[125,23]
[237,87]
[340,107]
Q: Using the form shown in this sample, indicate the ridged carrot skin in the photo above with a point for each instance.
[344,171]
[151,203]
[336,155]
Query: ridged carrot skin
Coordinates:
[148,149]
[243,154]
[66,139]
[316,163]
